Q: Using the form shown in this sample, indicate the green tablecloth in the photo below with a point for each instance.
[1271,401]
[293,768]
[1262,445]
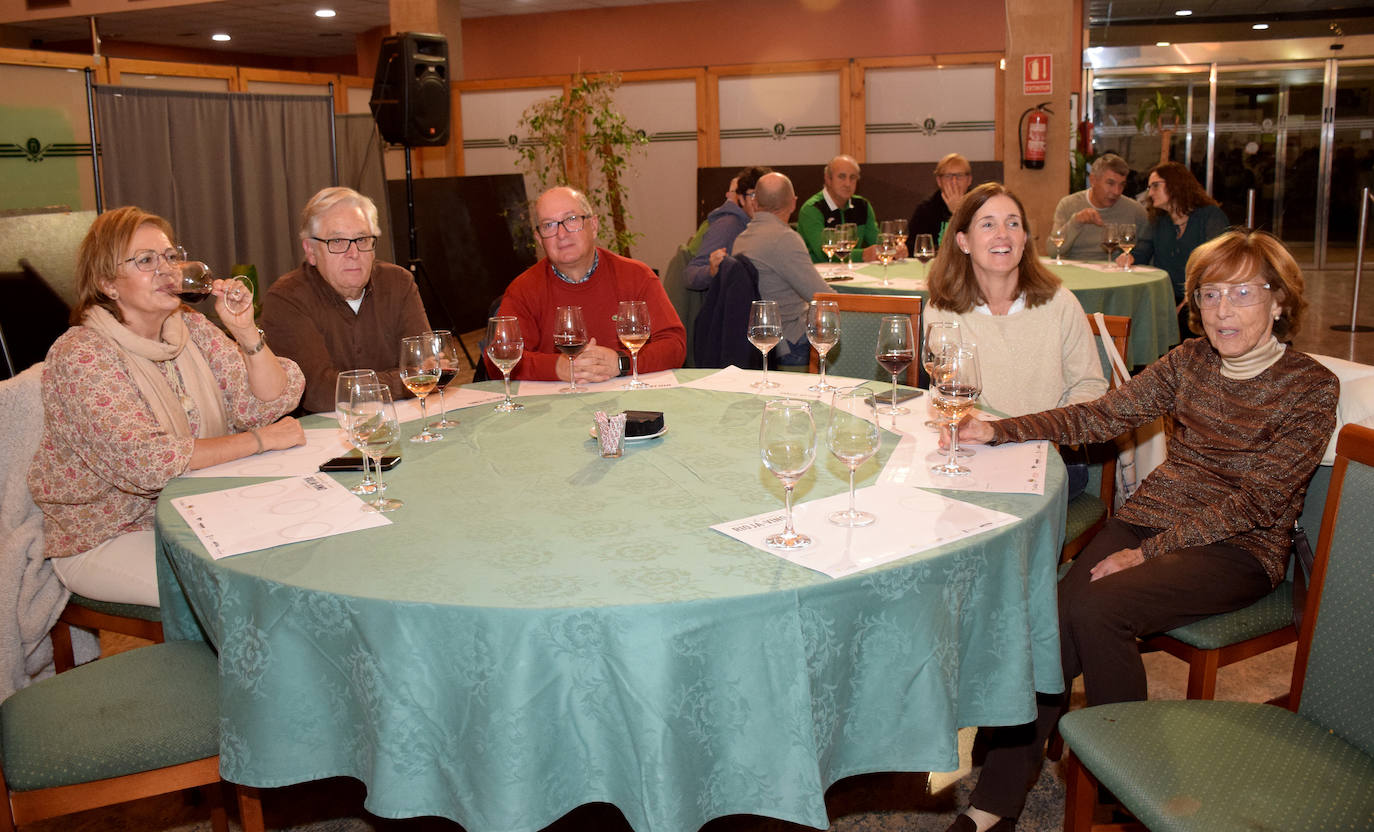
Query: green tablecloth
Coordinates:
[541,628]
[1144,294]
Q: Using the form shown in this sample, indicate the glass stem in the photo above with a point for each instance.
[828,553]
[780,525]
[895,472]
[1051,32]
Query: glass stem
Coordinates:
[634,367]
[365,474]
[442,410]
[505,377]
[572,373]
[424,417]
[377,464]
[954,443]
[822,362]
[787,531]
[852,512]
[764,353]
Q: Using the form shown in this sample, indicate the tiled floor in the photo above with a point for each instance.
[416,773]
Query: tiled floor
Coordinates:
[1329,293]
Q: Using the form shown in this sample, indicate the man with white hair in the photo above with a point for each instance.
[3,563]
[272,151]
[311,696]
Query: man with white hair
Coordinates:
[836,203]
[342,309]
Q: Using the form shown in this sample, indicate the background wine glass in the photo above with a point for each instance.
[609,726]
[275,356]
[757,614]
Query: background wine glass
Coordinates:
[420,375]
[895,351]
[373,429]
[887,251]
[938,335]
[830,244]
[849,238]
[899,230]
[1109,243]
[823,331]
[765,331]
[787,444]
[1057,237]
[957,386]
[446,349]
[1125,239]
[925,249]
[505,346]
[344,387]
[570,339]
[852,437]
[196,282]
[632,328]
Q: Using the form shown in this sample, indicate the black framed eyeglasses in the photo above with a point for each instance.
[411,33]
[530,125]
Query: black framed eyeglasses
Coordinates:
[339,245]
[572,225]
[146,260]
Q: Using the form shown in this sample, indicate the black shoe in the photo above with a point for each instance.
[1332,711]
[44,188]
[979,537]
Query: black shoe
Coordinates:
[964,823]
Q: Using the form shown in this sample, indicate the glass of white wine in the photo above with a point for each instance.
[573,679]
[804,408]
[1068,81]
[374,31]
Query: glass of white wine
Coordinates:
[899,230]
[765,331]
[887,251]
[632,328]
[420,375]
[957,385]
[787,444]
[1057,237]
[848,239]
[373,429]
[505,347]
[1125,239]
[830,244]
[939,334]
[852,437]
[823,331]
[344,387]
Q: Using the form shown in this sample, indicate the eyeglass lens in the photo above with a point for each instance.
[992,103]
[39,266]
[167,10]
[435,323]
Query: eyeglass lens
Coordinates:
[1241,294]
[146,260]
[339,245]
[572,225]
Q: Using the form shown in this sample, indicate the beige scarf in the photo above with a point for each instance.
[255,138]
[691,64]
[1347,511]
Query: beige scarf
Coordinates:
[141,356]
[1254,362]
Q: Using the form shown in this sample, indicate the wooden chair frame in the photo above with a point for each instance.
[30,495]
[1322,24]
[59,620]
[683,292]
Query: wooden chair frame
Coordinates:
[909,305]
[75,615]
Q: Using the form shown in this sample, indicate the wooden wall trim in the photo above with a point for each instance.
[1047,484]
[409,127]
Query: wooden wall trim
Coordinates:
[34,57]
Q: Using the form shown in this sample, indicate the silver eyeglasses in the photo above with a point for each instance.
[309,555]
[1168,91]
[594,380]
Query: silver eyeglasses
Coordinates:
[339,245]
[1209,295]
[572,225]
[146,260]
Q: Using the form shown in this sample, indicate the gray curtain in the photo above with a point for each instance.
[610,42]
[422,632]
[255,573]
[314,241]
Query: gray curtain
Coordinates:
[230,171]
[361,168]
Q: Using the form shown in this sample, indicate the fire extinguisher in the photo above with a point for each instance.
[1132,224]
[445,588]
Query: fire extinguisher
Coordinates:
[1036,124]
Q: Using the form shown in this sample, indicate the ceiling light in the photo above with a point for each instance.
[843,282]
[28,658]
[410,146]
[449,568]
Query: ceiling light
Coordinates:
[219,36]
[1162,43]
[324,12]
[1260,26]
[1183,12]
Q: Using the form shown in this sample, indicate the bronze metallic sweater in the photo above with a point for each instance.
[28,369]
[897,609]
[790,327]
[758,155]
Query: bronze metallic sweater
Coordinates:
[1238,462]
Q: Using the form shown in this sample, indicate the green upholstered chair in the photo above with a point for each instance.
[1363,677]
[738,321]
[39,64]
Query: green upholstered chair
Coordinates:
[133,725]
[859,318]
[687,302]
[129,619]
[1220,766]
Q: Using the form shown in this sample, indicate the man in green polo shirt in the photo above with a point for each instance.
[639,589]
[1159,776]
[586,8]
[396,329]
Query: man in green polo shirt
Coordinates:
[834,204]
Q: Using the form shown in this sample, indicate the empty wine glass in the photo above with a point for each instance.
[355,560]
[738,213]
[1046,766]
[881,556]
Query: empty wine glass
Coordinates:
[887,250]
[823,331]
[446,349]
[1109,242]
[505,346]
[632,328]
[956,387]
[570,339]
[420,374]
[787,444]
[895,351]
[1125,239]
[939,334]
[1057,237]
[344,387]
[765,331]
[852,436]
[373,428]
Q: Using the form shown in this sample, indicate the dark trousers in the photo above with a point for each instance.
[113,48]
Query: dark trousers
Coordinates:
[1099,622]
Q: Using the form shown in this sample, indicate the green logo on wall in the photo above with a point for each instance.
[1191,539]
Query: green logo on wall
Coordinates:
[35,151]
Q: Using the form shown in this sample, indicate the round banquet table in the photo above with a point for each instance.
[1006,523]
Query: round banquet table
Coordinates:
[541,628]
[1144,294]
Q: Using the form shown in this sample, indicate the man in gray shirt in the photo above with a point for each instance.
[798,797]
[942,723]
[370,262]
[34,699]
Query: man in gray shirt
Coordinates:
[786,273]
[1082,215]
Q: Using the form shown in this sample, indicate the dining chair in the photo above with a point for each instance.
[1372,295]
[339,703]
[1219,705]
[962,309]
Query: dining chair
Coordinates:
[859,319]
[140,723]
[1088,512]
[128,619]
[1221,766]
[722,325]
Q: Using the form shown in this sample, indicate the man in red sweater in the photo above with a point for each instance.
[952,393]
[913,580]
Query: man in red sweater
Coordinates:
[577,272]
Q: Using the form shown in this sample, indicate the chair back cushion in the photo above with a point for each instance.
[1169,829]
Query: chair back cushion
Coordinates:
[1340,668]
[853,355]
[687,302]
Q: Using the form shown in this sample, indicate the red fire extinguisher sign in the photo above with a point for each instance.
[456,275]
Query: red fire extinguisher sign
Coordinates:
[1038,71]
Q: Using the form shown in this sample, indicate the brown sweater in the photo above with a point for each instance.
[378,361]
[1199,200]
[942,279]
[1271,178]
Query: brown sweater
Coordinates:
[1238,462]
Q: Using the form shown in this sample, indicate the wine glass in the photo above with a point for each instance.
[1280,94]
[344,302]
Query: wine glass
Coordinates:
[823,331]
[238,296]
[849,239]
[899,231]
[765,331]
[344,387]
[787,443]
[1109,242]
[446,349]
[956,387]
[925,248]
[373,428]
[1125,239]
[1057,237]
[570,339]
[420,375]
[196,281]
[887,250]
[852,436]
[895,351]
[830,244]
[632,328]
[939,334]
[505,346]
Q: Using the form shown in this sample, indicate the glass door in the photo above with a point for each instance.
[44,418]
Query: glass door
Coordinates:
[1352,157]
[1115,103]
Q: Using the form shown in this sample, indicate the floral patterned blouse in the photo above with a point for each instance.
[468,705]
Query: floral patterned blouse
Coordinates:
[104,457]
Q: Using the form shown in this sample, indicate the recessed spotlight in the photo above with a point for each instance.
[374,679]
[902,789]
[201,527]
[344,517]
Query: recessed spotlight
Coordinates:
[1162,43]
[220,36]
[1260,26]
[324,12]
[1183,12]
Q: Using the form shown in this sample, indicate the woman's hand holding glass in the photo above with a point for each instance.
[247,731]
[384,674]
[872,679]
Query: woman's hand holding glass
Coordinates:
[505,346]
[420,375]
[852,436]
[345,389]
[373,429]
[787,444]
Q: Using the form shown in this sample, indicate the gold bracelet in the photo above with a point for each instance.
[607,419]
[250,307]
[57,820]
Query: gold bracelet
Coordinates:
[258,437]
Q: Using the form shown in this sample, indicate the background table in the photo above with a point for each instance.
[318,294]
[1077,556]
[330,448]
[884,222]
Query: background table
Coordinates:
[1144,293]
[541,628]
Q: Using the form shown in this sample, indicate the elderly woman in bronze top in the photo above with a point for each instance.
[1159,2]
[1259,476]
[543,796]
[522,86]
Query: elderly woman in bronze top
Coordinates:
[1209,530]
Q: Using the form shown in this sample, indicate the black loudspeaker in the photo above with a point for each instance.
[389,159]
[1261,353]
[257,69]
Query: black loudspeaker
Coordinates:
[410,100]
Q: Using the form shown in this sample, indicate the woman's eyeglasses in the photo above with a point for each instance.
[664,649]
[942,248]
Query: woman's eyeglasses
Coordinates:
[1240,294]
[146,260]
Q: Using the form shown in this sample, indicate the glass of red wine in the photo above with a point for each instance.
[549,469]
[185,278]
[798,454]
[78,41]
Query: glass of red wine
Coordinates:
[895,351]
[196,282]
[570,339]
[446,349]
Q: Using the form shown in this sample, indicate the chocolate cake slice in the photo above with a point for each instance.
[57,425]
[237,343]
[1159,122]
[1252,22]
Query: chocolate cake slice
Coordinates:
[643,422]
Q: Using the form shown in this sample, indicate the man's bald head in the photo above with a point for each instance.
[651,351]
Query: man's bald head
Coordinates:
[774,194]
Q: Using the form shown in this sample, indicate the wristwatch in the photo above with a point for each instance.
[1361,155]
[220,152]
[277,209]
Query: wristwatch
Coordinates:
[624,364]
[262,342]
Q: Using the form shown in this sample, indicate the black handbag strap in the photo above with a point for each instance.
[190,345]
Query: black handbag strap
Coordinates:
[1302,573]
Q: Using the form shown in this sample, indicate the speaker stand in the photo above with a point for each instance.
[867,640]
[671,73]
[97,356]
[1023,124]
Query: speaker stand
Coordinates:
[417,266]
